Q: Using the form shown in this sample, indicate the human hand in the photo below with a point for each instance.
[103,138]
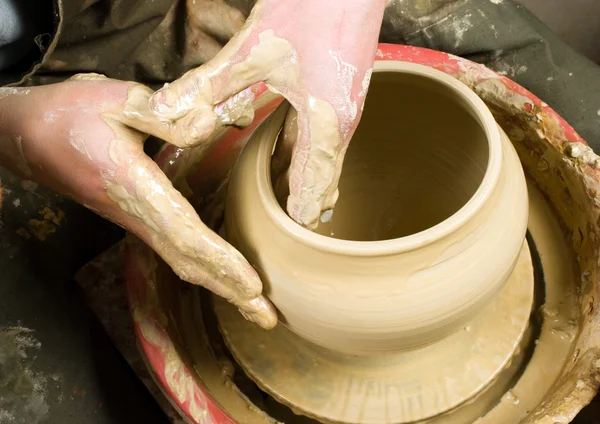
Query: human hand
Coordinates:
[84,138]
[318,55]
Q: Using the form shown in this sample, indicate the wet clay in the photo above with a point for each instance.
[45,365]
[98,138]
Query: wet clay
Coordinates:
[515,391]
[403,178]
[363,297]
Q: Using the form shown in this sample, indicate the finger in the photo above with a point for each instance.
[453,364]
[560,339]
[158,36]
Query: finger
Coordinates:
[150,207]
[207,85]
[197,125]
[316,163]
[135,113]
[222,270]
[247,58]
[282,156]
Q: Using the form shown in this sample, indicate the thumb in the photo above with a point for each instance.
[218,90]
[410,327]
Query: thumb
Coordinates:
[316,163]
[229,72]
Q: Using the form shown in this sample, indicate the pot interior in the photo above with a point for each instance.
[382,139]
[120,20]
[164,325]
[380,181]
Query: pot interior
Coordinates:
[417,157]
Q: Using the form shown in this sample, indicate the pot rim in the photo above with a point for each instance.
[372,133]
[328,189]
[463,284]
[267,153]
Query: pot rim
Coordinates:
[478,110]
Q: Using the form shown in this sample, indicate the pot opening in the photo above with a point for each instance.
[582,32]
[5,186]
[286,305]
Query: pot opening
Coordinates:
[417,157]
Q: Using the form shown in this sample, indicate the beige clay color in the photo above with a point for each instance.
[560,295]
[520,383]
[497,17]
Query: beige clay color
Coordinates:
[430,222]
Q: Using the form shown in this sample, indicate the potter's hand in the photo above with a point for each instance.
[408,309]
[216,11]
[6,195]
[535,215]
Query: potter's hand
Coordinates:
[78,138]
[318,54]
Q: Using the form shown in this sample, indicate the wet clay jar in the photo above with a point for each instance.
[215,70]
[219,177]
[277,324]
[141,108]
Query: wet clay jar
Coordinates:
[430,221]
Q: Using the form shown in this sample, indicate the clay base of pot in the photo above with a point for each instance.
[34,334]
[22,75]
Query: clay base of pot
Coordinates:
[400,387]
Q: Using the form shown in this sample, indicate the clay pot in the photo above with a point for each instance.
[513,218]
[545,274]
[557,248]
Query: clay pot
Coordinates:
[430,220]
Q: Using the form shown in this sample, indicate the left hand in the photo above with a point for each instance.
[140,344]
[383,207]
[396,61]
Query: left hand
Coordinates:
[318,54]
[85,138]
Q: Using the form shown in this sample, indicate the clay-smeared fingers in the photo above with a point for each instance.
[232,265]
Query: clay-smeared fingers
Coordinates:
[282,156]
[192,104]
[254,310]
[217,266]
[189,102]
[316,164]
[147,204]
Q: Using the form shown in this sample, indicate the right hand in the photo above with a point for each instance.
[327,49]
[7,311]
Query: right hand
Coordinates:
[318,54]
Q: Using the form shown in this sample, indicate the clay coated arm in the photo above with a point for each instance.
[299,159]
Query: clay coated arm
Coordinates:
[318,55]
[84,138]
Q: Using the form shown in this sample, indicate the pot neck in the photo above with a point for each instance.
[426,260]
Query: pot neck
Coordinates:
[465,97]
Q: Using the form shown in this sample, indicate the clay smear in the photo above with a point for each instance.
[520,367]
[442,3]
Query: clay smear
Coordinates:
[168,223]
[23,397]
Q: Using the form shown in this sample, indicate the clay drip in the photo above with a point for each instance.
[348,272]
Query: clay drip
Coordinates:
[411,164]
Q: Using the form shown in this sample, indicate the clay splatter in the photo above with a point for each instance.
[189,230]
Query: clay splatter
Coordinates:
[29,185]
[461,26]
[12,91]
[22,389]
[44,227]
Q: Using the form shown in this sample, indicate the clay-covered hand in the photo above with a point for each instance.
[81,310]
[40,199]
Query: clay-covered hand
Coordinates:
[85,138]
[318,54]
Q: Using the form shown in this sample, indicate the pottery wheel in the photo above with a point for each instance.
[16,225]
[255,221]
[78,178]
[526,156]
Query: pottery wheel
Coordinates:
[396,388]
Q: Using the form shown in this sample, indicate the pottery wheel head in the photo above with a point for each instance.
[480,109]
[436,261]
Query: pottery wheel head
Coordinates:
[399,388]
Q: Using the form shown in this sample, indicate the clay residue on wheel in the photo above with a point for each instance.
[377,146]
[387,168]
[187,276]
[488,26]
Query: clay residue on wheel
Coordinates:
[566,172]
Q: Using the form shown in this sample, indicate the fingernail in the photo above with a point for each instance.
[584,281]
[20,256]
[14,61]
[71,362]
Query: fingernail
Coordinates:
[163,101]
[264,314]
